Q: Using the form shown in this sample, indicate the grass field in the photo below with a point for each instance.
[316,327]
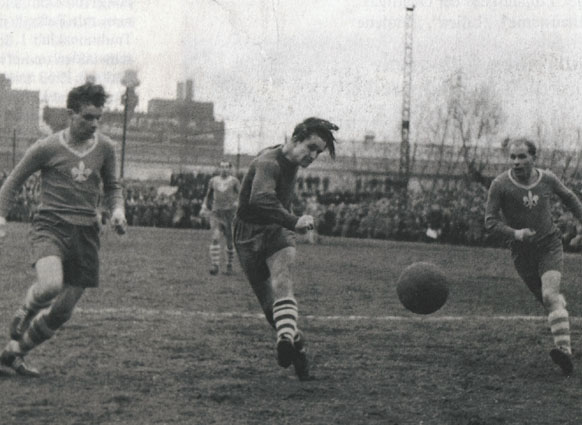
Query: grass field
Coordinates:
[163,342]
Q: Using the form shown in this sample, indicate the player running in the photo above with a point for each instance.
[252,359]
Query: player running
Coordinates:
[265,227]
[220,205]
[65,231]
[523,194]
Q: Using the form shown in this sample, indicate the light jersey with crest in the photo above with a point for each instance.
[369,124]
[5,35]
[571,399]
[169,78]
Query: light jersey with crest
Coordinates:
[70,179]
[527,206]
[224,192]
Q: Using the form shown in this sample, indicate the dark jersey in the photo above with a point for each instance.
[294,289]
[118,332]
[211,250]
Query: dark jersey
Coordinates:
[527,206]
[267,190]
[70,180]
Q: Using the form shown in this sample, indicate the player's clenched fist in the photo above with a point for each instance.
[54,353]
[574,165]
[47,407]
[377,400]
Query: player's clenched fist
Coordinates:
[304,224]
[119,222]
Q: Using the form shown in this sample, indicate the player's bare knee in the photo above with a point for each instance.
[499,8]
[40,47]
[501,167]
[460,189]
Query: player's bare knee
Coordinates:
[553,300]
[50,286]
[551,296]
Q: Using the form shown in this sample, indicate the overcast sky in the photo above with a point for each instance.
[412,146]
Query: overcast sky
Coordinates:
[268,64]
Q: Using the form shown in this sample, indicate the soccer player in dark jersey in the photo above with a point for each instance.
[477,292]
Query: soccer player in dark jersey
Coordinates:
[265,227]
[74,163]
[519,208]
[220,205]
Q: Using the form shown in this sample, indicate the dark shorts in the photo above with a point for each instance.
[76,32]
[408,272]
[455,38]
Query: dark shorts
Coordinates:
[532,260]
[255,243]
[222,220]
[77,246]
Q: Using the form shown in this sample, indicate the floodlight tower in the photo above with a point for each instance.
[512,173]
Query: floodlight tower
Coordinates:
[404,169]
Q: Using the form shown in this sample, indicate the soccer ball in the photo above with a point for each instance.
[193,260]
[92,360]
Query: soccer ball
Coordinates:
[422,288]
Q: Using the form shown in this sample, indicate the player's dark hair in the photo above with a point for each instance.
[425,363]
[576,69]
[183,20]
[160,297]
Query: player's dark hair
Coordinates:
[320,127]
[531,147]
[87,94]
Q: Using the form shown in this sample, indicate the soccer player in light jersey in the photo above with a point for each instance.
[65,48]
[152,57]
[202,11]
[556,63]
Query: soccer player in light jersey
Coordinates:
[73,165]
[220,204]
[265,227]
[523,194]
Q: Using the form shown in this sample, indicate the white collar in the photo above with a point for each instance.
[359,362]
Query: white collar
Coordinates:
[65,135]
[523,186]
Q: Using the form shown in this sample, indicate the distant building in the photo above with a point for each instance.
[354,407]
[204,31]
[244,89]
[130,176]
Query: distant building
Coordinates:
[19,122]
[173,134]
[19,110]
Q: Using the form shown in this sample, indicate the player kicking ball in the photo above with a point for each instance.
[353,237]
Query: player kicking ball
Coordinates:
[220,205]
[523,194]
[265,227]
[73,163]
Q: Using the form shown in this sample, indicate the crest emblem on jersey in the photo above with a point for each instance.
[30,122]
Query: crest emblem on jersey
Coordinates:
[530,200]
[81,173]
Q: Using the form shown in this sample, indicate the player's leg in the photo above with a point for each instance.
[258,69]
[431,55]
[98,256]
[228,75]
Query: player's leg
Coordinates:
[290,340]
[39,295]
[284,303]
[214,248]
[558,320]
[49,321]
[229,246]
[550,268]
[48,248]
[248,244]
[285,310]
[48,286]
[526,265]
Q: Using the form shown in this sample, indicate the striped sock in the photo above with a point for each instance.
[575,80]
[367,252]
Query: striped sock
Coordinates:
[560,328]
[285,316]
[229,256]
[215,254]
[36,334]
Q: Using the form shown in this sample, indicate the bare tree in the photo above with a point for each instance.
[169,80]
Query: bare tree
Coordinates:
[558,147]
[479,118]
[462,129]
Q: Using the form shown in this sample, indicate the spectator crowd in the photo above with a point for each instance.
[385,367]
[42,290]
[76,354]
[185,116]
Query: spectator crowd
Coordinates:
[453,213]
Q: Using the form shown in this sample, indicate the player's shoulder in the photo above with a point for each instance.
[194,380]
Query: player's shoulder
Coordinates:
[47,142]
[268,156]
[106,141]
[501,179]
[546,173]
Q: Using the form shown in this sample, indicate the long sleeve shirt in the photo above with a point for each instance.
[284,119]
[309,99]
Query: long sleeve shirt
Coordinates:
[512,206]
[70,180]
[267,190]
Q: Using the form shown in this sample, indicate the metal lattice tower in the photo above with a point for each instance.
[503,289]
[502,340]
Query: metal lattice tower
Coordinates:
[404,170]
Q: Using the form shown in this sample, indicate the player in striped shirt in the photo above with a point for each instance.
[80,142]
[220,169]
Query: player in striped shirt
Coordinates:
[523,197]
[265,227]
[73,164]
[220,205]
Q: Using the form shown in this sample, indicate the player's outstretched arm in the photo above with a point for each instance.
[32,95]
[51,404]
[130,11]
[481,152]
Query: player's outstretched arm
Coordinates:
[30,163]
